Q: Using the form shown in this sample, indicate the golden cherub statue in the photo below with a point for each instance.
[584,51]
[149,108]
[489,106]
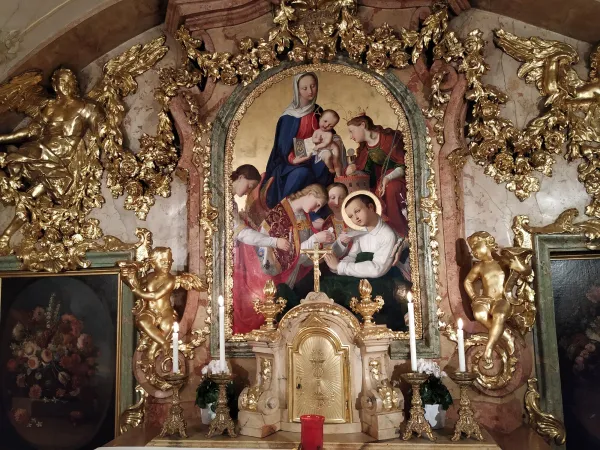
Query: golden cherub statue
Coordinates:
[153,311]
[496,304]
[54,177]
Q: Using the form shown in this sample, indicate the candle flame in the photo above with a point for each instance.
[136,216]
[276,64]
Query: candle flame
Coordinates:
[409,297]
[220,301]
[460,324]
[175,327]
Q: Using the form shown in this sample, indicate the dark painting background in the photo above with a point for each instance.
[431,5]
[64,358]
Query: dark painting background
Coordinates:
[93,300]
[576,285]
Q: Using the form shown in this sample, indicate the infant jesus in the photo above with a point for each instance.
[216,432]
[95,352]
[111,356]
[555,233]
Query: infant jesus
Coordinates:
[323,145]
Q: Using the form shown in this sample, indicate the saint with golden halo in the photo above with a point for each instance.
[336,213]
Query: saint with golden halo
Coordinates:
[373,255]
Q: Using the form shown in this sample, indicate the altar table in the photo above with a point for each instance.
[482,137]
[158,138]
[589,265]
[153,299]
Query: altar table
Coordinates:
[290,441]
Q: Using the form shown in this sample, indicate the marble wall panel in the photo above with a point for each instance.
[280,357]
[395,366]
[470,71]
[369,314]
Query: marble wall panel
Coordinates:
[489,206]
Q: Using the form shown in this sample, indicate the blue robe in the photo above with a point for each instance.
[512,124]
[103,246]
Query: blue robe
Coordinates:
[289,178]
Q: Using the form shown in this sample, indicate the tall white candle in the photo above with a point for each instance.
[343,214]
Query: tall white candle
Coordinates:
[411,333]
[222,363]
[461,347]
[175,347]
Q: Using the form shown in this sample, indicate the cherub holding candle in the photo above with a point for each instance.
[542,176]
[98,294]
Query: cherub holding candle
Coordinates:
[499,270]
[153,311]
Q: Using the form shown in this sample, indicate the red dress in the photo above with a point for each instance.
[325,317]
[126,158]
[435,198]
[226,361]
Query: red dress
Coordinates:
[372,160]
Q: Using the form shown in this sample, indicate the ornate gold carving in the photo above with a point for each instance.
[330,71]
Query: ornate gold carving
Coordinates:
[366,306]
[175,423]
[249,398]
[320,368]
[417,422]
[154,314]
[389,395]
[54,178]
[518,305]
[546,425]
[571,117]
[222,421]
[270,308]
[564,224]
[466,422]
[133,416]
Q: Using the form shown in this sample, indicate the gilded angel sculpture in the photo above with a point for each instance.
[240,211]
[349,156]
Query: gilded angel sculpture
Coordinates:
[153,311]
[497,306]
[53,178]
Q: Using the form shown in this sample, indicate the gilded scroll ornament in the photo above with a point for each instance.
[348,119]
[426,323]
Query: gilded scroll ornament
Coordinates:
[53,178]
[133,416]
[564,224]
[546,425]
[249,398]
[571,117]
[389,395]
[152,283]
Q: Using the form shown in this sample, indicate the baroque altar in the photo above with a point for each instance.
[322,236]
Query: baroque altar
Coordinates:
[320,360]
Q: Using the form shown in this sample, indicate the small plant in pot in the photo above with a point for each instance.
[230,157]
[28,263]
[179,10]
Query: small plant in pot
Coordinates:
[434,394]
[207,395]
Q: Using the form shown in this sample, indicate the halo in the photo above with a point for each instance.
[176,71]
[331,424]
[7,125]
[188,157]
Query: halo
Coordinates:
[347,219]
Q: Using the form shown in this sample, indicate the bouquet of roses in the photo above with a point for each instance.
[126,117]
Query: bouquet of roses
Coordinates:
[51,357]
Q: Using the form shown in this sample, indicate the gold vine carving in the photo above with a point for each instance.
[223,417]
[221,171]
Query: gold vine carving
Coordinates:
[53,177]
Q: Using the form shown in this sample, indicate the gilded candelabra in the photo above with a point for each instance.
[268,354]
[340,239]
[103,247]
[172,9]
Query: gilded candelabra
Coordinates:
[417,422]
[222,420]
[466,422]
[366,306]
[175,423]
[270,308]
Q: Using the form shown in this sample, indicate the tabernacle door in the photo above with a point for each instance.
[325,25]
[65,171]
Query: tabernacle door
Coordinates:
[319,381]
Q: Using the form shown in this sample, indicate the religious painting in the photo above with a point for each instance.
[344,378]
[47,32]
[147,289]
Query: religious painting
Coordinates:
[65,352]
[576,286]
[323,170]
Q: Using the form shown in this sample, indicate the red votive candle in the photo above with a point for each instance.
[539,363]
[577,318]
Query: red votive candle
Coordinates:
[311,432]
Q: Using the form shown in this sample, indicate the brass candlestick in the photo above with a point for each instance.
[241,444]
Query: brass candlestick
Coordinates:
[466,422]
[175,423]
[417,422]
[222,420]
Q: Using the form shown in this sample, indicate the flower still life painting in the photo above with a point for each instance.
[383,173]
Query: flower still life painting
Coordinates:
[59,350]
[576,286]
[321,157]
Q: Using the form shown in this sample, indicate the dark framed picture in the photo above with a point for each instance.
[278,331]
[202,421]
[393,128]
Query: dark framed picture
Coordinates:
[568,336]
[66,346]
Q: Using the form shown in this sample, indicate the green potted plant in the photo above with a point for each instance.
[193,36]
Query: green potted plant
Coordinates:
[207,395]
[434,394]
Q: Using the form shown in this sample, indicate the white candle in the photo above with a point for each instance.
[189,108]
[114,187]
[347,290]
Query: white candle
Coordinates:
[222,363]
[411,333]
[461,347]
[175,347]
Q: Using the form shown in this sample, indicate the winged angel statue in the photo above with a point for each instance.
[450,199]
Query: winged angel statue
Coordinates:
[573,104]
[53,178]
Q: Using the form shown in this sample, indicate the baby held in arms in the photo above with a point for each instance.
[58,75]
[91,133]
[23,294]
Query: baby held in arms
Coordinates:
[323,145]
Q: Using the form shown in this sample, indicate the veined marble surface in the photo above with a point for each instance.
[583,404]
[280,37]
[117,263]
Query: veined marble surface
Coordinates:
[490,206]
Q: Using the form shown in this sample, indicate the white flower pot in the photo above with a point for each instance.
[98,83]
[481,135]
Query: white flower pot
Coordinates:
[436,416]
[207,414]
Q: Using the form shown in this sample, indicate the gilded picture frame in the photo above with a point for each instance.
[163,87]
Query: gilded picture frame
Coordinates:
[77,290]
[550,342]
[419,178]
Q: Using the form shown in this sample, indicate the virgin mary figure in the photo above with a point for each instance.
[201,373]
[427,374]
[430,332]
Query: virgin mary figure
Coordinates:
[284,174]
